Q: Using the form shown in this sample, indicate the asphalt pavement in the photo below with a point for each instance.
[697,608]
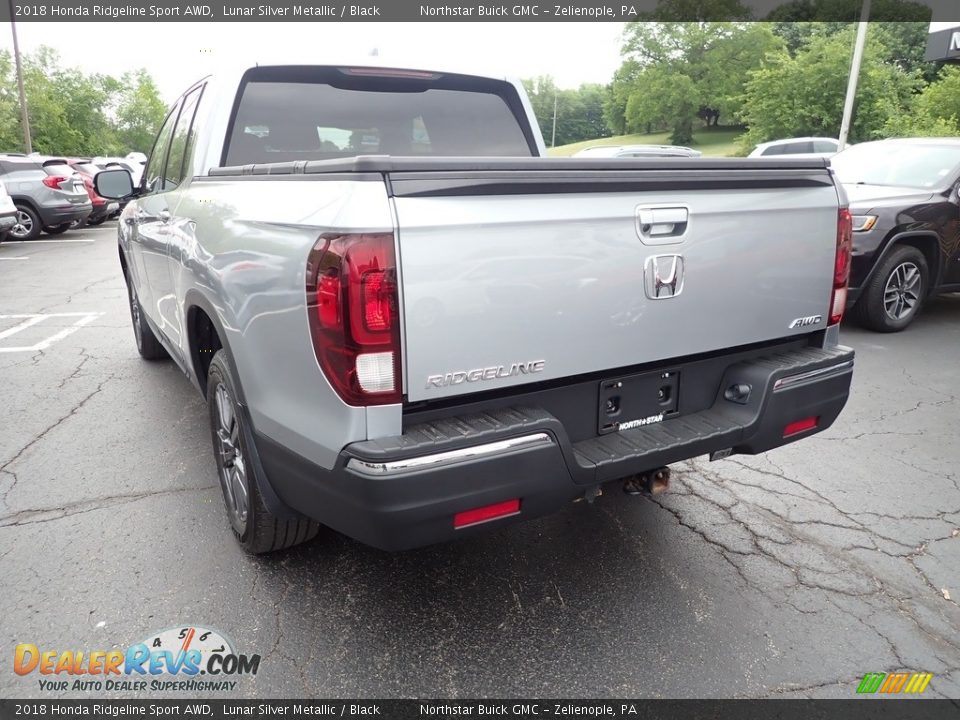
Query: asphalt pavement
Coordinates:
[786,575]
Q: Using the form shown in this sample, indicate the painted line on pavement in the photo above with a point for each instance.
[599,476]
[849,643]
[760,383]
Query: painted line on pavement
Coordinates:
[29,320]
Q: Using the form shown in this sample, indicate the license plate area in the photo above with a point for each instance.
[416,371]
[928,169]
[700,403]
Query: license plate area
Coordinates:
[637,400]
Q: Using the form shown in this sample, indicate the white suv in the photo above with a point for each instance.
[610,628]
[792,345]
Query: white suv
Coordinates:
[794,147]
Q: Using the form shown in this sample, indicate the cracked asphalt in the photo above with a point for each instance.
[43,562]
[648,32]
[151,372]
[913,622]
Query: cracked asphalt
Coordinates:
[785,575]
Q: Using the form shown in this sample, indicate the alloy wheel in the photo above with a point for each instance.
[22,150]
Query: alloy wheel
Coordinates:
[23,226]
[902,292]
[233,467]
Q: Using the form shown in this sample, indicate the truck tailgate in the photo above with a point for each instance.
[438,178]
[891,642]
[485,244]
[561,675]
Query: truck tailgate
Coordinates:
[513,278]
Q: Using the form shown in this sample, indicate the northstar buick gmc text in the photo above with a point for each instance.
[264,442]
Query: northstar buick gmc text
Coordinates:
[407,324]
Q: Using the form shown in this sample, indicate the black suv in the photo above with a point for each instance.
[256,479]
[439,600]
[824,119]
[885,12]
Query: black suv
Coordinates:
[906,226]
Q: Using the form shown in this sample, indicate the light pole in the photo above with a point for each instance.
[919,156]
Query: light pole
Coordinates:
[854,73]
[24,116]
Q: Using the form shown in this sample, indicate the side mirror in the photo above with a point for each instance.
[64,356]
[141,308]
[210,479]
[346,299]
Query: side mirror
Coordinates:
[113,184]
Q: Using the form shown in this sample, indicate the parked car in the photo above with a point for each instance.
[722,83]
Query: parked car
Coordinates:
[8,213]
[637,338]
[48,195]
[797,147]
[606,151]
[906,226]
[102,208]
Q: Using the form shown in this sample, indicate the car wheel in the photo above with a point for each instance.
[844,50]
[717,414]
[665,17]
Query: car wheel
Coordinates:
[57,229]
[147,344]
[256,528]
[28,224]
[895,293]
[97,221]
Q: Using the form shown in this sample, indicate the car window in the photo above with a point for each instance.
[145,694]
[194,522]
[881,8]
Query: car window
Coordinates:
[181,140]
[158,158]
[824,146]
[897,164]
[285,119]
[64,170]
[773,150]
[88,168]
[798,148]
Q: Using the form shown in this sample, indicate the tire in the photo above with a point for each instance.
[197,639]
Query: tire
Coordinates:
[28,224]
[57,229]
[895,292]
[256,528]
[97,221]
[147,344]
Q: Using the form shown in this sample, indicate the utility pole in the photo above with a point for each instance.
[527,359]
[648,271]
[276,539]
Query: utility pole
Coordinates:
[854,73]
[24,115]
[553,139]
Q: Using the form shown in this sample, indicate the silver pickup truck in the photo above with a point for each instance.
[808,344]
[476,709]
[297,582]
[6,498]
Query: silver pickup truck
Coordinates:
[408,324]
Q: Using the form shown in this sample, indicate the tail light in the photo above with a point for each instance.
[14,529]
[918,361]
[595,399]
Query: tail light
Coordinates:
[841,265]
[353,305]
[53,181]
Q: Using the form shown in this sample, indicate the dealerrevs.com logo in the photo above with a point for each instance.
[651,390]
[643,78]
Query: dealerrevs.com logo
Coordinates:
[189,659]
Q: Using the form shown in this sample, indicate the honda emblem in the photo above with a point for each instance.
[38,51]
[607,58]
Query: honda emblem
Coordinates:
[663,276]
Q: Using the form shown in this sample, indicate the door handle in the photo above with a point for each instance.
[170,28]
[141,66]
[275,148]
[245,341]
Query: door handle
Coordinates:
[662,225]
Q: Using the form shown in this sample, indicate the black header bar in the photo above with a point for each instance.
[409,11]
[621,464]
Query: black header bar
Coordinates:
[469,11]
[527,709]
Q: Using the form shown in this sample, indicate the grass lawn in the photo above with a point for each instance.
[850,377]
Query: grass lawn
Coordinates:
[718,142]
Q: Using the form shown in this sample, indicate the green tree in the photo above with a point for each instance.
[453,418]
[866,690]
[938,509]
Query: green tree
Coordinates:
[935,112]
[75,114]
[139,113]
[673,70]
[11,137]
[803,94]
[580,112]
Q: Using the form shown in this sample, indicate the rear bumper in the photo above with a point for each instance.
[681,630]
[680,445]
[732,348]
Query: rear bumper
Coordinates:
[64,214]
[402,492]
[104,209]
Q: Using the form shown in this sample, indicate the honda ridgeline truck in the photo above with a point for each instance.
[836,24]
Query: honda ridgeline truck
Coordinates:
[410,326]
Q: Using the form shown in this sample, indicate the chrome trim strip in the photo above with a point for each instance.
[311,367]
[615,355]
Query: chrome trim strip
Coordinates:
[450,457]
[809,375]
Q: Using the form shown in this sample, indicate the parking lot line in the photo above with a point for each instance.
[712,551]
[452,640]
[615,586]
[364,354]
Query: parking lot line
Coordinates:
[36,242]
[34,319]
[14,257]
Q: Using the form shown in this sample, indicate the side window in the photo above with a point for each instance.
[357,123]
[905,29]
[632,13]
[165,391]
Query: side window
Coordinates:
[773,150]
[158,158]
[798,148]
[180,144]
[824,146]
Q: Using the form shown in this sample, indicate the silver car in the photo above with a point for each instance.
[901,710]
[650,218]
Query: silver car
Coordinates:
[48,194]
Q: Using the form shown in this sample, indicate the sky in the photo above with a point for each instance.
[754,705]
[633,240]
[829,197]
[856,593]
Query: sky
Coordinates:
[176,54]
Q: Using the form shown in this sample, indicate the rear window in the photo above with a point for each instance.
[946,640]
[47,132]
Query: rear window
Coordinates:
[289,114]
[88,168]
[65,170]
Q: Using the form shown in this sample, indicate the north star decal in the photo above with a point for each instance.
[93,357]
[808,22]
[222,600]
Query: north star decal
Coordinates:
[641,422]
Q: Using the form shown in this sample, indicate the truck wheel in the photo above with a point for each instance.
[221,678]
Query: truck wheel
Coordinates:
[895,293]
[28,224]
[57,229]
[256,528]
[147,344]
